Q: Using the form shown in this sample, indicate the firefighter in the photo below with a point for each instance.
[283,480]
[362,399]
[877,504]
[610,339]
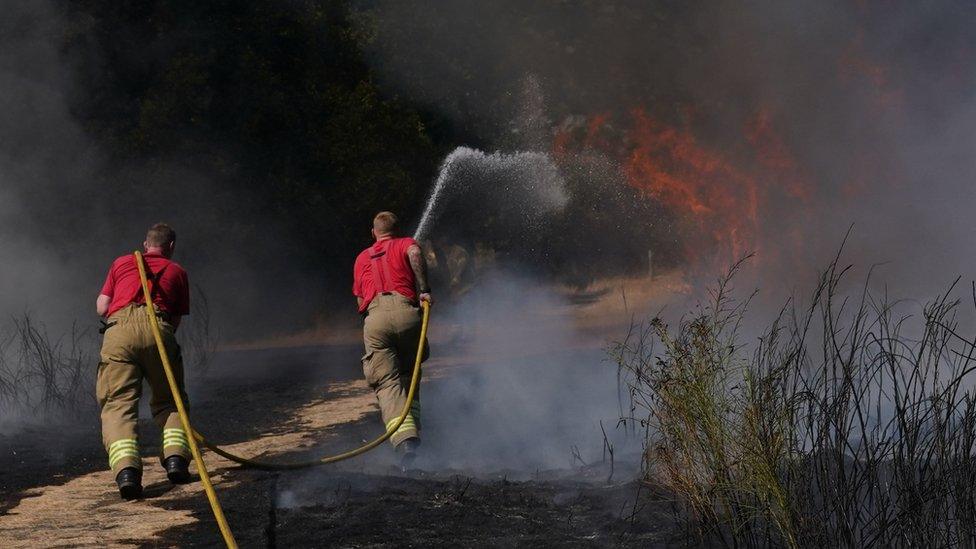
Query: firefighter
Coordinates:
[389,281]
[129,355]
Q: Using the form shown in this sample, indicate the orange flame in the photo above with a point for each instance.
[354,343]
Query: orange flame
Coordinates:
[719,199]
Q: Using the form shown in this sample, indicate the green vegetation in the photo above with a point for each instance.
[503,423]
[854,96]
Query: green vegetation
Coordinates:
[848,425]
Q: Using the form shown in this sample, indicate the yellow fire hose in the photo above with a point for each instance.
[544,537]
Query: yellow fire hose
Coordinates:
[195,450]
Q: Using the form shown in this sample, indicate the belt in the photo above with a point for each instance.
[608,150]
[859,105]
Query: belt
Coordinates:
[106,325]
[366,312]
[159,314]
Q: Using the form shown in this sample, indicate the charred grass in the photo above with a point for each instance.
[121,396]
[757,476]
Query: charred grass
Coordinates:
[846,424]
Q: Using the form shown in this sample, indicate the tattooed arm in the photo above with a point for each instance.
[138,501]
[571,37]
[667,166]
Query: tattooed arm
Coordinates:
[419,266]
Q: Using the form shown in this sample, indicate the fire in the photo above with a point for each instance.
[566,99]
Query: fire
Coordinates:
[719,198]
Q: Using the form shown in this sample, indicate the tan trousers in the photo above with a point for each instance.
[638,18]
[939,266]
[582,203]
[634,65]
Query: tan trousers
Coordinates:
[128,355]
[391,333]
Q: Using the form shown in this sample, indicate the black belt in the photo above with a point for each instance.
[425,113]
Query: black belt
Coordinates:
[366,312]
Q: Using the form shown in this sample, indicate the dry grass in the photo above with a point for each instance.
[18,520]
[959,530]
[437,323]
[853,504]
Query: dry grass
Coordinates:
[198,336]
[844,425]
[40,374]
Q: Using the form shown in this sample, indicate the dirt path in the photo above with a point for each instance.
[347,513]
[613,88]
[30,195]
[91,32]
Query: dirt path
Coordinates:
[293,405]
[86,511]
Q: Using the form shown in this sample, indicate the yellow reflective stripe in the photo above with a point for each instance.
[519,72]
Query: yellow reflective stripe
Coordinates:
[392,422]
[174,442]
[121,449]
[175,437]
[122,454]
[408,425]
[119,454]
[125,442]
[169,443]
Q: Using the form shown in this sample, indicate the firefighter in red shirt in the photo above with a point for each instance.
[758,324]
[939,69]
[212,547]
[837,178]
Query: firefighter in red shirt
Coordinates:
[389,280]
[129,355]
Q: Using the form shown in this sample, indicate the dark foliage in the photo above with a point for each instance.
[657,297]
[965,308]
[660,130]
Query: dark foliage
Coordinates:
[270,100]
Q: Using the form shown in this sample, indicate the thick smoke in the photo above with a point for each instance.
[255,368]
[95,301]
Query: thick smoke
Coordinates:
[41,149]
[873,102]
[874,115]
[528,391]
[69,206]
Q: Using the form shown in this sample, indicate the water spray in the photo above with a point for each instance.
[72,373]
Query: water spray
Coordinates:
[531,177]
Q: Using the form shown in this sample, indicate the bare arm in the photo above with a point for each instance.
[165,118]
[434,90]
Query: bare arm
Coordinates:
[102,303]
[419,266]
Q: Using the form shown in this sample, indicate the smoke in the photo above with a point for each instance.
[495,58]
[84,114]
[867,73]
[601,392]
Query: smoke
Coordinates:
[873,107]
[836,113]
[780,125]
[69,205]
[68,208]
[40,147]
[525,389]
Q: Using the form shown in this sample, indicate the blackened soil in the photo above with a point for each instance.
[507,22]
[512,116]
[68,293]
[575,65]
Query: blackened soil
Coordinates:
[362,503]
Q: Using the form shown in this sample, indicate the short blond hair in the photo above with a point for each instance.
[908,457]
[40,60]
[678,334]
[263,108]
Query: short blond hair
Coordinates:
[160,234]
[385,223]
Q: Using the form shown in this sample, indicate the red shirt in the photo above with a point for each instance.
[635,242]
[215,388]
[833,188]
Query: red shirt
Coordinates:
[171,292]
[384,267]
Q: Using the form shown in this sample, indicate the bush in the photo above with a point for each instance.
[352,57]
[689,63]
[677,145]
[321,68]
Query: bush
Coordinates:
[841,427]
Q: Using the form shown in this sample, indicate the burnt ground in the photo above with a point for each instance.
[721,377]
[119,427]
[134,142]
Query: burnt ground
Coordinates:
[293,404]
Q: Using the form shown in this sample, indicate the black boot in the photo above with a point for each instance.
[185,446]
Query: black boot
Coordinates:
[408,450]
[177,469]
[130,483]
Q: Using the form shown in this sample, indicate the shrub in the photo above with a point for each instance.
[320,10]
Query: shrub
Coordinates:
[845,424]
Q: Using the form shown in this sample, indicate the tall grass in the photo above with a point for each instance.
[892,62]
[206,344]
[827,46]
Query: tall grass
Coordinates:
[845,424]
[41,374]
[55,375]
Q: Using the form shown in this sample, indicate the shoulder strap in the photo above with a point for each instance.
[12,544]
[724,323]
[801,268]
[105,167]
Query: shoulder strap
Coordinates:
[152,279]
